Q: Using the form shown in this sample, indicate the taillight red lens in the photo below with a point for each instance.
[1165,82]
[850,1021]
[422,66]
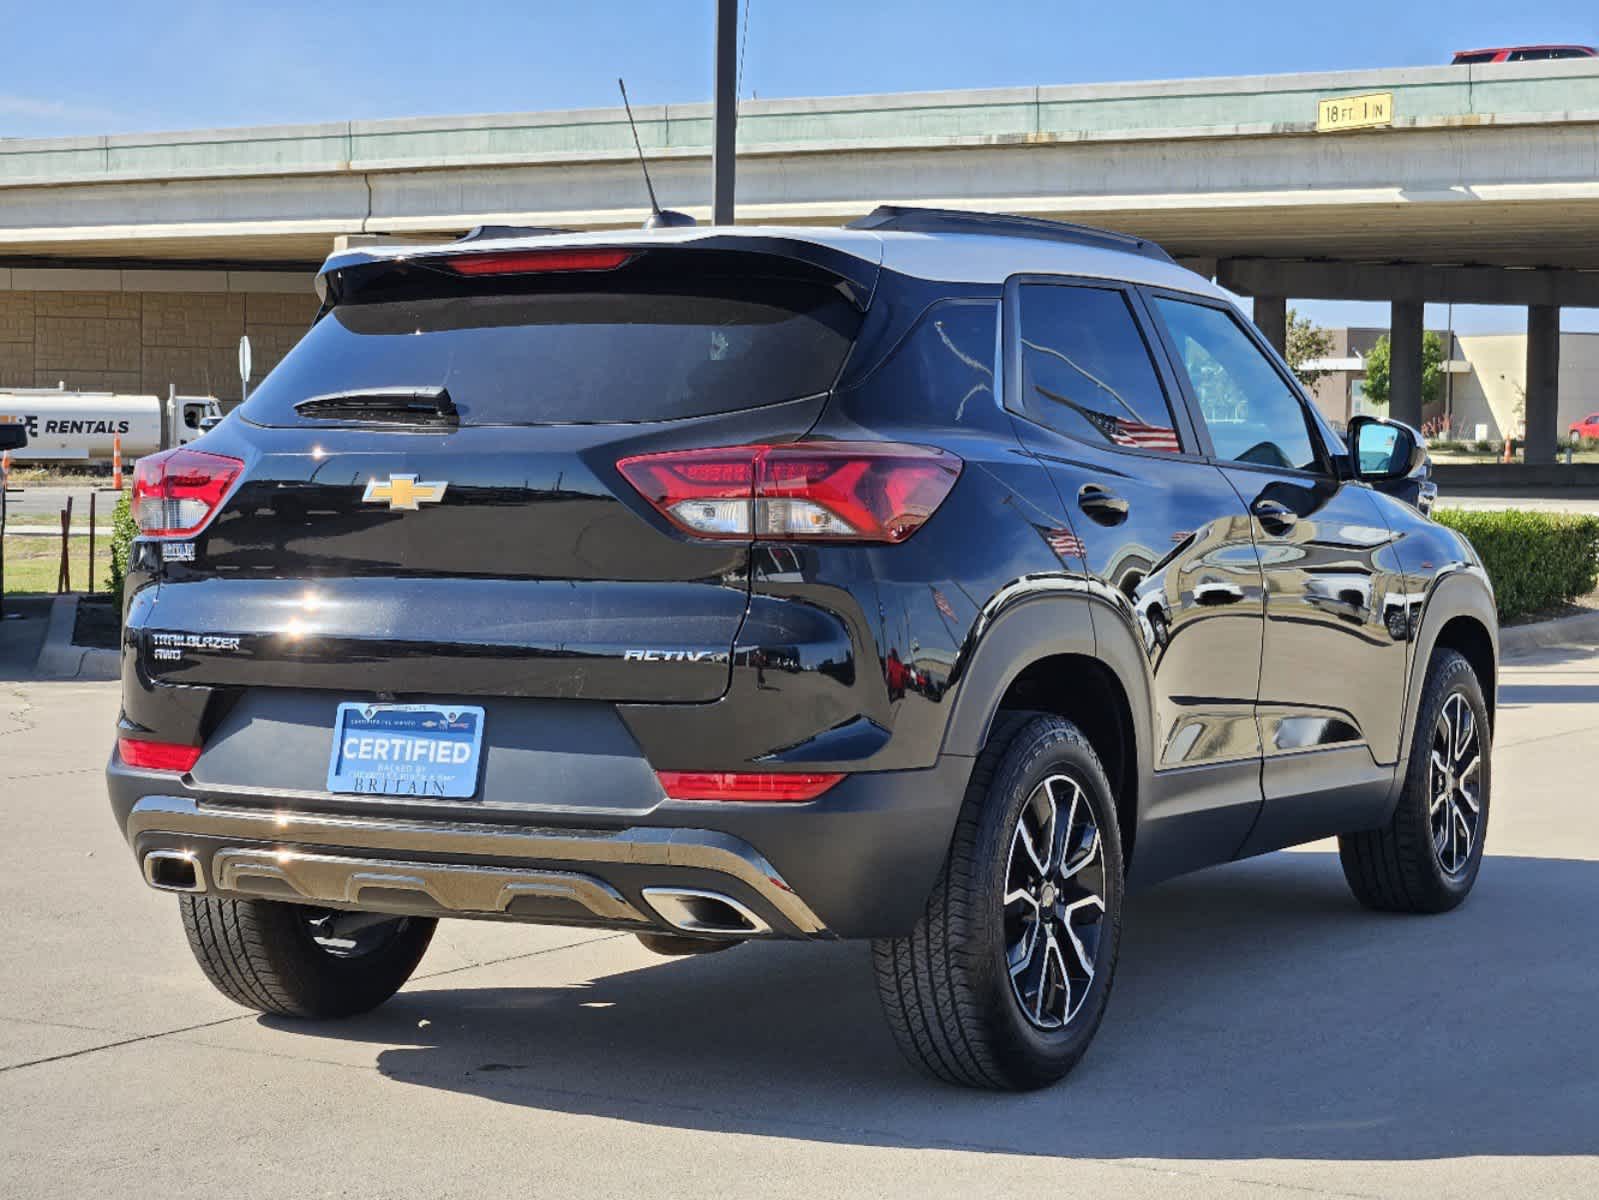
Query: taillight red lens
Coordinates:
[528,262]
[744,785]
[157,756]
[803,491]
[709,493]
[177,491]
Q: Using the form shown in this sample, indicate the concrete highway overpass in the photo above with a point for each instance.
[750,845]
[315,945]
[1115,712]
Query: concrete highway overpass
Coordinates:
[1484,189]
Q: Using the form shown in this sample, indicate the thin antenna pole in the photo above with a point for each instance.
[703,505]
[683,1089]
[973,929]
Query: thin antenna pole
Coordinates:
[743,45]
[643,166]
[725,114]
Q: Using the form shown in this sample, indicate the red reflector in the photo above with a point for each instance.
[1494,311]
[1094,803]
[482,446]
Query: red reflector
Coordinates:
[744,785]
[157,756]
[177,491]
[804,491]
[528,262]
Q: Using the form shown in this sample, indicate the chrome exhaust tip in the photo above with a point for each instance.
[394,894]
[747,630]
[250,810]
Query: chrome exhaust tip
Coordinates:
[174,871]
[695,911]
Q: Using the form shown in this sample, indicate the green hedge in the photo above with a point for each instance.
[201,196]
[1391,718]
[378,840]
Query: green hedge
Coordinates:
[1536,560]
[123,531]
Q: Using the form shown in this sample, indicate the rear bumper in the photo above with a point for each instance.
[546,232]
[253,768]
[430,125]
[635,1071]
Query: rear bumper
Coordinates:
[458,869]
[859,862]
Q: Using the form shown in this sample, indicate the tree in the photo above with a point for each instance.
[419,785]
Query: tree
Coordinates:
[1306,343]
[1378,363]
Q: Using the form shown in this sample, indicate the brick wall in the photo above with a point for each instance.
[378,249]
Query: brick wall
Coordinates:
[143,341]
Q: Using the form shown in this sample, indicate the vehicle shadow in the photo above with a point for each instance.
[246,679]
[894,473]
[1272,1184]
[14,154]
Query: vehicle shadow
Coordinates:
[1258,1013]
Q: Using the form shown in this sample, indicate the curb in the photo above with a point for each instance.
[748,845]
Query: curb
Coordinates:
[1579,630]
[1556,476]
[60,659]
[15,530]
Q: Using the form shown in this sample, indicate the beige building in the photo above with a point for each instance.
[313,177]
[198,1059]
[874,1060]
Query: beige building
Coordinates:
[1483,393]
[146,331]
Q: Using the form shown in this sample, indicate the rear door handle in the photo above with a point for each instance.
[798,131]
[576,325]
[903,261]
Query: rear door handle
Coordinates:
[1273,516]
[1101,505]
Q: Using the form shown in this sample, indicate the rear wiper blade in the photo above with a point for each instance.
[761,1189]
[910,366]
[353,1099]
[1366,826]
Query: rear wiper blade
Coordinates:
[403,405]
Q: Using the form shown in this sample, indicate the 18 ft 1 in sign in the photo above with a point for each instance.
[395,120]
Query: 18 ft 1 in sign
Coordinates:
[1355,112]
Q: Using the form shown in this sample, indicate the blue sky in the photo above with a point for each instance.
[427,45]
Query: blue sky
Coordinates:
[93,66]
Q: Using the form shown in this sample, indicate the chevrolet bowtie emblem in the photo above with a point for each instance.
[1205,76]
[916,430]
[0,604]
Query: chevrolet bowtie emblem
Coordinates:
[403,491]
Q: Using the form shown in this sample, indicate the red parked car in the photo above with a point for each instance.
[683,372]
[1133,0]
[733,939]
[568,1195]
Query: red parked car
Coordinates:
[1522,54]
[1588,427]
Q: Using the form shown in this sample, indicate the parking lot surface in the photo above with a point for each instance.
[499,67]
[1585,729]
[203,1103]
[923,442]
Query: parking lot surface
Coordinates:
[1267,1037]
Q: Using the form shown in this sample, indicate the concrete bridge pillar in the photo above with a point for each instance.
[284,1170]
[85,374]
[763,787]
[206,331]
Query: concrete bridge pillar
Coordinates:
[1404,362]
[1271,318]
[1543,382]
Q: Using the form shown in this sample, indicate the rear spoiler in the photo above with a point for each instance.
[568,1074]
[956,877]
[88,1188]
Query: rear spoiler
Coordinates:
[345,274]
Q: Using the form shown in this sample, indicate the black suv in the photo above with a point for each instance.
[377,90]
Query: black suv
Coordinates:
[929,581]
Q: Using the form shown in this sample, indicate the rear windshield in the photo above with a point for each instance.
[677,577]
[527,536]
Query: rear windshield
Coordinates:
[576,348]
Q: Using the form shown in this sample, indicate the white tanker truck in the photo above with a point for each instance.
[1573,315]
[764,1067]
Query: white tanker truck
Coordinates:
[80,427]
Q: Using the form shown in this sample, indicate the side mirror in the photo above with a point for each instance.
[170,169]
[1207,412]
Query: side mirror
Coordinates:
[1382,450]
[13,435]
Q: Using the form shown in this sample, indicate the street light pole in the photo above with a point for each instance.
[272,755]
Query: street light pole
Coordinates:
[725,116]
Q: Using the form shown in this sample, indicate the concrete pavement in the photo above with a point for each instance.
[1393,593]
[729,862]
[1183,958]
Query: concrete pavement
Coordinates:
[1267,1036]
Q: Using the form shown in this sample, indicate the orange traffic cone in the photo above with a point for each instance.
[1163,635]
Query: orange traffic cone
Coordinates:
[116,462]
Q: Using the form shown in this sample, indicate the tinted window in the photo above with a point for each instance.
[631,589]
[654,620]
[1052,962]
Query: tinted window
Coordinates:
[1086,370]
[942,372]
[1464,59]
[1252,415]
[635,353]
[1531,55]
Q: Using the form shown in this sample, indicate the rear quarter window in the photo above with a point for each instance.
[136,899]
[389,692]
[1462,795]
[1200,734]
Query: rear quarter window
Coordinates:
[941,373]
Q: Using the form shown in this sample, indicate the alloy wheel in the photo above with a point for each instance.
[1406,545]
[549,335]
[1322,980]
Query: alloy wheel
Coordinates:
[1454,784]
[1054,903]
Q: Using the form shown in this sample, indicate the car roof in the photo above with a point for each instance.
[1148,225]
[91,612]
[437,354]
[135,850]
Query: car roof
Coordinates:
[945,257]
[1530,46]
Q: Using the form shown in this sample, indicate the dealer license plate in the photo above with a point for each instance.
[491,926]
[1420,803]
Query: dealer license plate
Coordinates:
[427,750]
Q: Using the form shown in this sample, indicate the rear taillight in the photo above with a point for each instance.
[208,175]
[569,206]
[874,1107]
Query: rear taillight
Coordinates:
[177,491]
[529,262]
[157,756]
[804,491]
[745,785]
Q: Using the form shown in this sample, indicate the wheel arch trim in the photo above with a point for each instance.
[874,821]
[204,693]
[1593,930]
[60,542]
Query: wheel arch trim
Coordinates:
[1459,593]
[1044,624]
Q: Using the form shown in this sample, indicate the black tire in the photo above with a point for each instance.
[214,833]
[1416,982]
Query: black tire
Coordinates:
[262,954]
[947,988]
[1401,867]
